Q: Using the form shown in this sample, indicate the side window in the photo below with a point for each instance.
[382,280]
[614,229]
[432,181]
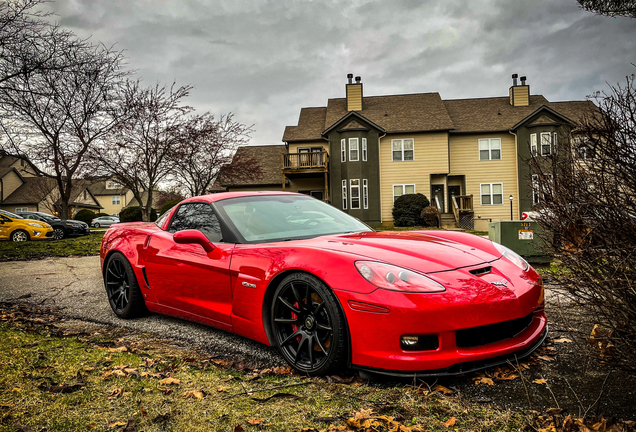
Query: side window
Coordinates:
[197,216]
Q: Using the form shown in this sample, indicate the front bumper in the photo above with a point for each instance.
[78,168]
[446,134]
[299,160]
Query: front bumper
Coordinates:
[73,231]
[477,324]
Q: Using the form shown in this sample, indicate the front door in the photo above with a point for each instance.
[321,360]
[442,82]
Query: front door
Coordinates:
[183,276]
[438,192]
[453,191]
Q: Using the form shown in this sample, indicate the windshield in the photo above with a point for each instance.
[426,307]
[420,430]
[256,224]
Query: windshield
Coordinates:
[10,215]
[48,217]
[286,217]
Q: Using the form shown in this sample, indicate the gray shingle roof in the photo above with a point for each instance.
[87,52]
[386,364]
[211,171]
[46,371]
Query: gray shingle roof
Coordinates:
[269,160]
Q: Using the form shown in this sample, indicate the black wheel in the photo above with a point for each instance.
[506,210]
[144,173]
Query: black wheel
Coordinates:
[123,291]
[19,236]
[59,233]
[96,225]
[308,325]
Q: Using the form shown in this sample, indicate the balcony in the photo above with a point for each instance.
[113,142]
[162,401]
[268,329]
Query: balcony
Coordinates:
[305,163]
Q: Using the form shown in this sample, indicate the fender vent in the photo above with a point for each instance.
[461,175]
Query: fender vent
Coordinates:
[481,271]
[143,271]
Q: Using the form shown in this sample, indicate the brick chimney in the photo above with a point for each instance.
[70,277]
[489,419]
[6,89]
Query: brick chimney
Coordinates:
[354,93]
[519,94]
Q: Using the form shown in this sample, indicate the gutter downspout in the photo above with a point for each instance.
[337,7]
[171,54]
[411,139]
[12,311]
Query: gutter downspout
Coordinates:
[517,171]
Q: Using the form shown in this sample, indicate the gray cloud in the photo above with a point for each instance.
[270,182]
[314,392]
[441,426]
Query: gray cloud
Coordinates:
[265,59]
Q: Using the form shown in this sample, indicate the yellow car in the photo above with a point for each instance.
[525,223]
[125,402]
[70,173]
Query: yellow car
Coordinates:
[14,228]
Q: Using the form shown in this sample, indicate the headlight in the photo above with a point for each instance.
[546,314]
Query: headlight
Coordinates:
[512,256]
[394,278]
[33,224]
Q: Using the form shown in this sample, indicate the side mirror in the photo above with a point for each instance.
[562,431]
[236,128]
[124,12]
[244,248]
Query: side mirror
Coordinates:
[193,237]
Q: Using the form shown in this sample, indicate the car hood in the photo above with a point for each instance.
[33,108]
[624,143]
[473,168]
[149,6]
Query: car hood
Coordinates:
[33,221]
[416,251]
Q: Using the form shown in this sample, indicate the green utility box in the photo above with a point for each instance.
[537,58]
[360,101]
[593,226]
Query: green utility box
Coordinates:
[521,236]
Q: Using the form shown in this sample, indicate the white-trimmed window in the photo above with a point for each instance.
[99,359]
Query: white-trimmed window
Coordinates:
[490,149]
[355,193]
[539,190]
[344,194]
[535,189]
[343,150]
[21,209]
[546,143]
[112,185]
[533,144]
[365,193]
[115,200]
[364,149]
[354,150]
[491,193]
[402,149]
[403,189]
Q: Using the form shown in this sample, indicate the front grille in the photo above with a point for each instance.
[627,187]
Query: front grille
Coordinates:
[480,271]
[484,335]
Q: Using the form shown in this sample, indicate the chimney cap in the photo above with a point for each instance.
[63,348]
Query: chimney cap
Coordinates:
[358,79]
[515,76]
[349,75]
[523,78]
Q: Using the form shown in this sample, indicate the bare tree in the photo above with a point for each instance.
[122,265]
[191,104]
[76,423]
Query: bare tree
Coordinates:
[207,146]
[612,8]
[54,116]
[30,44]
[140,152]
[589,191]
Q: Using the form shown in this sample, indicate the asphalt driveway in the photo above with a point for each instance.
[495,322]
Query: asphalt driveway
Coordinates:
[74,285]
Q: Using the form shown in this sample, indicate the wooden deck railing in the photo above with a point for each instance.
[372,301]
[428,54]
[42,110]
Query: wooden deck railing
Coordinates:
[462,204]
[308,160]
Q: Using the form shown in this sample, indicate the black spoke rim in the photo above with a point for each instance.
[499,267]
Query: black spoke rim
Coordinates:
[302,325]
[117,285]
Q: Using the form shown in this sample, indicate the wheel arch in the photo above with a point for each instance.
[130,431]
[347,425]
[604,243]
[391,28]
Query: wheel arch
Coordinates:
[267,302]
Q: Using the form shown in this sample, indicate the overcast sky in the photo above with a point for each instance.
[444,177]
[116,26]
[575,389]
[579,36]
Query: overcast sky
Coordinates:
[265,59]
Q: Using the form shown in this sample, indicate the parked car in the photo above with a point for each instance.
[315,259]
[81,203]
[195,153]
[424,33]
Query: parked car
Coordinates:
[62,228]
[294,272]
[17,229]
[104,221]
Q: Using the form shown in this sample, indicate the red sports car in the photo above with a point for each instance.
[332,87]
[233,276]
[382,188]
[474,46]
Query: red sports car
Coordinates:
[294,272]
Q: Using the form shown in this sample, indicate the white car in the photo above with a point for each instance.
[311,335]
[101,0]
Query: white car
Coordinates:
[104,221]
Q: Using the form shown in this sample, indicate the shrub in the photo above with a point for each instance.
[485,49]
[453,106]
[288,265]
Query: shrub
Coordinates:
[87,215]
[133,214]
[430,217]
[408,208]
[167,206]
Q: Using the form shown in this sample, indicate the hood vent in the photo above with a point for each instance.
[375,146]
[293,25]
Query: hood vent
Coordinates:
[481,271]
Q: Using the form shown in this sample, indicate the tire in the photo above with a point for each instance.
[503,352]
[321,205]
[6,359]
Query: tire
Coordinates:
[19,236]
[96,225]
[59,234]
[312,339]
[122,289]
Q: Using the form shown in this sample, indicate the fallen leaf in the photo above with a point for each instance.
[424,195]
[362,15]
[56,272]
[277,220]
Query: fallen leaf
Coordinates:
[546,358]
[65,388]
[238,428]
[115,393]
[221,389]
[362,414]
[442,389]
[194,394]
[540,381]
[484,380]
[23,428]
[91,426]
[562,340]
[450,422]
[119,349]
[170,381]
[255,422]
[130,427]
[144,413]
[116,424]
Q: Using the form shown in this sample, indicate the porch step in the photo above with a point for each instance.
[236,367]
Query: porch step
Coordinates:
[448,220]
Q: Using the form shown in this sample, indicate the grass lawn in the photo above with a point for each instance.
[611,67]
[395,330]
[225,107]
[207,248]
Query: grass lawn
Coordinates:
[77,246]
[101,382]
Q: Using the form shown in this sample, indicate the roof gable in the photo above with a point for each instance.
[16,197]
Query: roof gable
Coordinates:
[269,159]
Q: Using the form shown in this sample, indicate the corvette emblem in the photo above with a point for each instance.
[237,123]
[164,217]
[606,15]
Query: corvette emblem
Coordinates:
[501,283]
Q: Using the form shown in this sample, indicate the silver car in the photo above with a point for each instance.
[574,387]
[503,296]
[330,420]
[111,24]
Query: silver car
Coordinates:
[104,221]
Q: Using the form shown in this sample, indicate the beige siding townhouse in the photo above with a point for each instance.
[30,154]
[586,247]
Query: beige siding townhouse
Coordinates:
[468,156]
